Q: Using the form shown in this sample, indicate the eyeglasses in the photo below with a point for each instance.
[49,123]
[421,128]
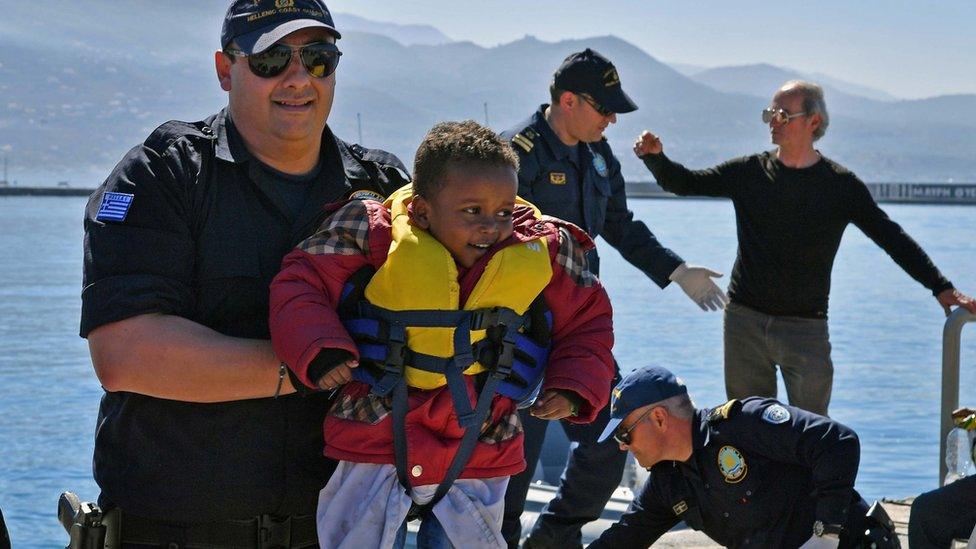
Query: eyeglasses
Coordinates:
[779,116]
[600,109]
[623,436]
[320,59]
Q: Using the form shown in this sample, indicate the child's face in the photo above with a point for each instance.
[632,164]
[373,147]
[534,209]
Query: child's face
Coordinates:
[471,211]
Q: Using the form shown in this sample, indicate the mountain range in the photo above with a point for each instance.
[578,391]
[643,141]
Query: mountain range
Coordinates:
[72,108]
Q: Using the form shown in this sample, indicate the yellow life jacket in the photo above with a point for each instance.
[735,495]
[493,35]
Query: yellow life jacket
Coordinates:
[420,274]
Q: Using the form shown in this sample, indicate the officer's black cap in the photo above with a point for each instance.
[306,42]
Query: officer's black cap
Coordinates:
[589,72]
[255,25]
[644,386]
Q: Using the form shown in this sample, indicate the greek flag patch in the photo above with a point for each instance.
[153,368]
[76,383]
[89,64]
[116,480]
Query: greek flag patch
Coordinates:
[776,414]
[114,206]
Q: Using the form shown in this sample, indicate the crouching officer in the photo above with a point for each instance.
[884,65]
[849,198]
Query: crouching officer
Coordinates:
[750,473]
[201,440]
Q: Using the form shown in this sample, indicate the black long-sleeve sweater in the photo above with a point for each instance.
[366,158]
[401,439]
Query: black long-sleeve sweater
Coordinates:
[789,224]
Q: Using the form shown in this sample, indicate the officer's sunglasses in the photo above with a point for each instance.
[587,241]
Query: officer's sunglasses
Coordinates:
[622,436]
[778,116]
[600,109]
[320,59]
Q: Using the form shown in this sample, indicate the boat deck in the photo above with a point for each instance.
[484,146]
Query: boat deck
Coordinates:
[680,536]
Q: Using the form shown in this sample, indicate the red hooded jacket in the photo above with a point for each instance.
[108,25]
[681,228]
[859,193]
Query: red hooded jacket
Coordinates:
[358,428]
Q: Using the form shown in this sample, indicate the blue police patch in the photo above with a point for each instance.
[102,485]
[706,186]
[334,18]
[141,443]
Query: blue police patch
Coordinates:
[776,414]
[600,164]
[114,206]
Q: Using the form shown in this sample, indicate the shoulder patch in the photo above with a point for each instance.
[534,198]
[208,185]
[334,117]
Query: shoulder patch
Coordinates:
[164,136]
[732,464]
[114,206]
[725,411]
[776,414]
[363,194]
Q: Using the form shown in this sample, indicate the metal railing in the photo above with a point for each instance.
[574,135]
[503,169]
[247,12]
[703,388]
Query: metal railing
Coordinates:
[950,377]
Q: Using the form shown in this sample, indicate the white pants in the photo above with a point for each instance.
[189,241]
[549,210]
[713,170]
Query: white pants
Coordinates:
[363,505]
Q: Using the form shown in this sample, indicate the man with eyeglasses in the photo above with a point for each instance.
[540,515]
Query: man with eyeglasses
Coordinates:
[568,170]
[201,438]
[792,205]
[749,473]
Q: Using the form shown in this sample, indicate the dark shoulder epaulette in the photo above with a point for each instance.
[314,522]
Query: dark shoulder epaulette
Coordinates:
[384,170]
[165,135]
[525,139]
[725,411]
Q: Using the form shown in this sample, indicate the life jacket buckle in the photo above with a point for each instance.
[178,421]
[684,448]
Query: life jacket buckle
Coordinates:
[418,512]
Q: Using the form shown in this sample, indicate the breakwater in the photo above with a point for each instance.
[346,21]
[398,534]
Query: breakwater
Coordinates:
[902,193]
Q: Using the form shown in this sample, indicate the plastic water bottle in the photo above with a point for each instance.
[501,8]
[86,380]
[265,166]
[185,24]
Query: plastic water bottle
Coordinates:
[959,458]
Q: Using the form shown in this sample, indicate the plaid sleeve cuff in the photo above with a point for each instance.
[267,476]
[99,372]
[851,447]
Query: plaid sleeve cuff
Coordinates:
[345,232]
[572,259]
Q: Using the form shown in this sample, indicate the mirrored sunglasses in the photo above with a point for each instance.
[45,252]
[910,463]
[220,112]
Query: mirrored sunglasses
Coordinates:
[779,116]
[320,59]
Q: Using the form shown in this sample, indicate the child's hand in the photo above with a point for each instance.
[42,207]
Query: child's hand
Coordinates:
[553,405]
[338,376]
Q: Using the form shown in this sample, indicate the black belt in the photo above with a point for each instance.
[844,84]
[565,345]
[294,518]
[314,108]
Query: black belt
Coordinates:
[263,532]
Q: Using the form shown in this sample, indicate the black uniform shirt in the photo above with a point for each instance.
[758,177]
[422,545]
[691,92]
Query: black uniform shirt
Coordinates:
[583,185]
[201,237]
[759,475]
[789,223]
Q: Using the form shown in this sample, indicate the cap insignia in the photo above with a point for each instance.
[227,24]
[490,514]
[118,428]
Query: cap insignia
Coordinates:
[610,78]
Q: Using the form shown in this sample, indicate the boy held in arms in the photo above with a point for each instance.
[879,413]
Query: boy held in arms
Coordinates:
[490,296]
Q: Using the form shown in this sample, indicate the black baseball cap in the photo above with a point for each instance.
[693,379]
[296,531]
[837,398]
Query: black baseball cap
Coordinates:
[642,387]
[591,73]
[255,25]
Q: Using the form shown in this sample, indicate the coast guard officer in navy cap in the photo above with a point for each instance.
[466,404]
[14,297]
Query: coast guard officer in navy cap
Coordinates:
[567,169]
[201,439]
[749,473]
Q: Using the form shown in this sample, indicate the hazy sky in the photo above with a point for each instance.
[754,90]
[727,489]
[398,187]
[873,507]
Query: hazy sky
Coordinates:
[910,49]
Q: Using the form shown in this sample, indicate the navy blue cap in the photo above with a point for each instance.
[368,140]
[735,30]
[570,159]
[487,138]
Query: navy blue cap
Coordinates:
[644,386]
[255,25]
[591,73]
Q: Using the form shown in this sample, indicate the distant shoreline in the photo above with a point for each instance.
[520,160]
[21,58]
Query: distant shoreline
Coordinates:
[897,193]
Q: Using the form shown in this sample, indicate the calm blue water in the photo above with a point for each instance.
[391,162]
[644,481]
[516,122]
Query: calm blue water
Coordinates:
[885,328]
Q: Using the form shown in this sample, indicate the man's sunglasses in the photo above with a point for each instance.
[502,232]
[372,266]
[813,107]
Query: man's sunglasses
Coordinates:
[779,116]
[622,436]
[600,109]
[320,59]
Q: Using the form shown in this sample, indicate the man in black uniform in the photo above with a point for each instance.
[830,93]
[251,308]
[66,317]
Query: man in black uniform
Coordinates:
[567,169]
[201,439]
[792,205]
[750,473]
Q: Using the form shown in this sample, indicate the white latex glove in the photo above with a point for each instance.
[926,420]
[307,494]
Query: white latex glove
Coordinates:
[697,283]
[827,541]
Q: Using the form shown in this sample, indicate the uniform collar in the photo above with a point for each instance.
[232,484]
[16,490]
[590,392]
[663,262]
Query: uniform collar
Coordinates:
[559,150]
[230,144]
[701,430]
